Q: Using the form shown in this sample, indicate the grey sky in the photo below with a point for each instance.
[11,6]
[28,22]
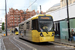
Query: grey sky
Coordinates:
[24,4]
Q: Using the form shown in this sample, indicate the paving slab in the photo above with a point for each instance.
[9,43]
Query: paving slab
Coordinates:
[66,42]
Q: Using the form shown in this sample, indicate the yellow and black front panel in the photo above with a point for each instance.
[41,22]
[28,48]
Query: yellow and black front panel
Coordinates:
[16,33]
[42,36]
[46,36]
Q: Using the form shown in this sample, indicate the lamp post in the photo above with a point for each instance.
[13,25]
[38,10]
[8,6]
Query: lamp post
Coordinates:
[40,9]
[6,15]
[68,18]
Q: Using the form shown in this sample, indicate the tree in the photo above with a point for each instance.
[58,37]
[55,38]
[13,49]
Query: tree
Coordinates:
[3,26]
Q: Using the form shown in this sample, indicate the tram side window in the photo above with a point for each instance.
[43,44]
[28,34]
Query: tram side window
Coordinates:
[21,26]
[35,24]
[28,25]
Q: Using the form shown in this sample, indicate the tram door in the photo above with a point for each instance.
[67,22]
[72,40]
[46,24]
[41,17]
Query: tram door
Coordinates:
[57,29]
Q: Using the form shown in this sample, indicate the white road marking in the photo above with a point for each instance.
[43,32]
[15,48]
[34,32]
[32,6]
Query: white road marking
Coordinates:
[3,43]
[25,44]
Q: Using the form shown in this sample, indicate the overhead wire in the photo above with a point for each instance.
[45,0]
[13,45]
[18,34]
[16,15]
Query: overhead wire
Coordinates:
[32,3]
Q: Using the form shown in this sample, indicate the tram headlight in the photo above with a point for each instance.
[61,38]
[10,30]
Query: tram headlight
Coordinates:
[52,34]
[41,34]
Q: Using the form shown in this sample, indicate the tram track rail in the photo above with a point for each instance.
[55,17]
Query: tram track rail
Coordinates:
[17,45]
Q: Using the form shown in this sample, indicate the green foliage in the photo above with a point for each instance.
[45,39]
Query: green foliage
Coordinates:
[3,26]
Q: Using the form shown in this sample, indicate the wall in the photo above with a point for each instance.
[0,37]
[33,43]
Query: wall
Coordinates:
[62,13]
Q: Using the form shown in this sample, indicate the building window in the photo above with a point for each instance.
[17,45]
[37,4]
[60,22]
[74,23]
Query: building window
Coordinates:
[11,10]
[15,18]
[11,24]
[11,18]
[16,15]
[18,18]
[18,21]
[11,15]
[15,21]
[16,11]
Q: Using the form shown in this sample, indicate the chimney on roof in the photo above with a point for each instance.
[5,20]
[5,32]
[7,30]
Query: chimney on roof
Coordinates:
[41,12]
[38,11]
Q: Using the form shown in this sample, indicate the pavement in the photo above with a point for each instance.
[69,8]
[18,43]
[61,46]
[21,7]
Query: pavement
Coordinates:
[66,42]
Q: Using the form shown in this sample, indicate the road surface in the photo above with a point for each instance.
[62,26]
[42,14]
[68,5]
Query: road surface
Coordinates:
[14,43]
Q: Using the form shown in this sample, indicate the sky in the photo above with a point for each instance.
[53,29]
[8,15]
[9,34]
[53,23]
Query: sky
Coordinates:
[24,4]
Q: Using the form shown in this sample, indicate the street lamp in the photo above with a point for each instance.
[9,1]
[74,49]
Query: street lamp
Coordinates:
[40,9]
[6,15]
[68,18]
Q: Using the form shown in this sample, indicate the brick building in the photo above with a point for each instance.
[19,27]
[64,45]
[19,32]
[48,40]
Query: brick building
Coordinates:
[15,16]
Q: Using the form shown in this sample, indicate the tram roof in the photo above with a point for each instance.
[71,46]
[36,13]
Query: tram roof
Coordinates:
[34,17]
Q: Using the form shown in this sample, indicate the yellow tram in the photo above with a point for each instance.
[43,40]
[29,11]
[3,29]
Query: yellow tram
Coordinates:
[38,28]
[16,31]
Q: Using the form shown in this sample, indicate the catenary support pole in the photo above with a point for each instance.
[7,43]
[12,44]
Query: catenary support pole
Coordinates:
[68,22]
[40,9]
[6,15]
